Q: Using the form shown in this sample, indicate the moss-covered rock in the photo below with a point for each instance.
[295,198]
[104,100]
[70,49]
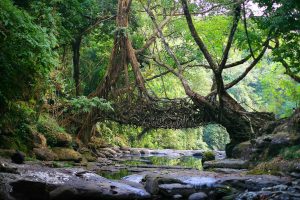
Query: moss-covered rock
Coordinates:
[45,154]
[96,142]
[65,154]
[208,155]
[282,134]
[55,135]
[242,150]
[89,156]
[63,139]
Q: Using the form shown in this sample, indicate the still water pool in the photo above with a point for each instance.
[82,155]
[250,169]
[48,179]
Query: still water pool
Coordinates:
[153,162]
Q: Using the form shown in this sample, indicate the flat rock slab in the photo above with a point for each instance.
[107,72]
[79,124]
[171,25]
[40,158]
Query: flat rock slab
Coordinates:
[176,188]
[227,163]
[40,182]
[229,171]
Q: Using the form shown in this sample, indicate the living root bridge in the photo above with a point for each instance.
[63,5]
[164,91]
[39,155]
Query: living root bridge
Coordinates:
[166,113]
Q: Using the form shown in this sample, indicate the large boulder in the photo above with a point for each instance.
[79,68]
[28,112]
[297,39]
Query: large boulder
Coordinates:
[274,136]
[265,146]
[243,150]
[63,139]
[42,182]
[65,154]
[45,154]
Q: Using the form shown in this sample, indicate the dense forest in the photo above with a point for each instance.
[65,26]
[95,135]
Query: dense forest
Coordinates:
[186,75]
[55,56]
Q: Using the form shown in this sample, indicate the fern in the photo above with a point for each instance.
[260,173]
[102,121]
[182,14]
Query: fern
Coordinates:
[84,104]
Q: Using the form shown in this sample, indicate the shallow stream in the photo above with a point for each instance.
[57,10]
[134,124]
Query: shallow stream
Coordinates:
[151,162]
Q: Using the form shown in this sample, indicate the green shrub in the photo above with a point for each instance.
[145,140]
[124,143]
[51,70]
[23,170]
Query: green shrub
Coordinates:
[15,127]
[290,153]
[208,155]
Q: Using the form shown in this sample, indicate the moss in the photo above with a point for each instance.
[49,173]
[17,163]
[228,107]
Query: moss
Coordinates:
[65,154]
[55,134]
[62,164]
[208,155]
[290,153]
[276,166]
[30,158]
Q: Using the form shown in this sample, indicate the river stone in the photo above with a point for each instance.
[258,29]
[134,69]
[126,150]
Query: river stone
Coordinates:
[177,196]
[151,184]
[100,154]
[198,196]
[116,149]
[126,152]
[227,163]
[65,154]
[123,148]
[145,152]
[107,154]
[45,154]
[176,188]
[135,152]
[112,152]
[253,183]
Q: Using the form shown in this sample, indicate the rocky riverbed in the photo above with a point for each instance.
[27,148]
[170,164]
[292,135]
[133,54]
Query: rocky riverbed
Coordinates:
[143,179]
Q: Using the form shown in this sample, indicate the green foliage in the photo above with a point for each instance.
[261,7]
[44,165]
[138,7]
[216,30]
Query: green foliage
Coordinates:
[116,134]
[115,175]
[26,53]
[208,155]
[49,127]
[15,127]
[291,153]
[215,136]
[280,94]
[84,104]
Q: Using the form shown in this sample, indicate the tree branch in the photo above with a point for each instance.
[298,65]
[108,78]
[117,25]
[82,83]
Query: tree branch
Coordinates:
[202,12]
[238,62]
[236,19]
[96,23]
[152,38]
[248,69]
[246,30]
[288,71]
[196,37]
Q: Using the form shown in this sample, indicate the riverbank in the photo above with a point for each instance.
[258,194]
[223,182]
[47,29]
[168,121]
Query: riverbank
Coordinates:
[221,179]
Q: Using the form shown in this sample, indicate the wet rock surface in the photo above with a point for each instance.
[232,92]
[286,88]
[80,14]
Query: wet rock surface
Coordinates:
[226,179]
[39,182]
[227,163]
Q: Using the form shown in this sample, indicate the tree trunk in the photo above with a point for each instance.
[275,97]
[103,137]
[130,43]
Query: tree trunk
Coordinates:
[76,64]
[121,55]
